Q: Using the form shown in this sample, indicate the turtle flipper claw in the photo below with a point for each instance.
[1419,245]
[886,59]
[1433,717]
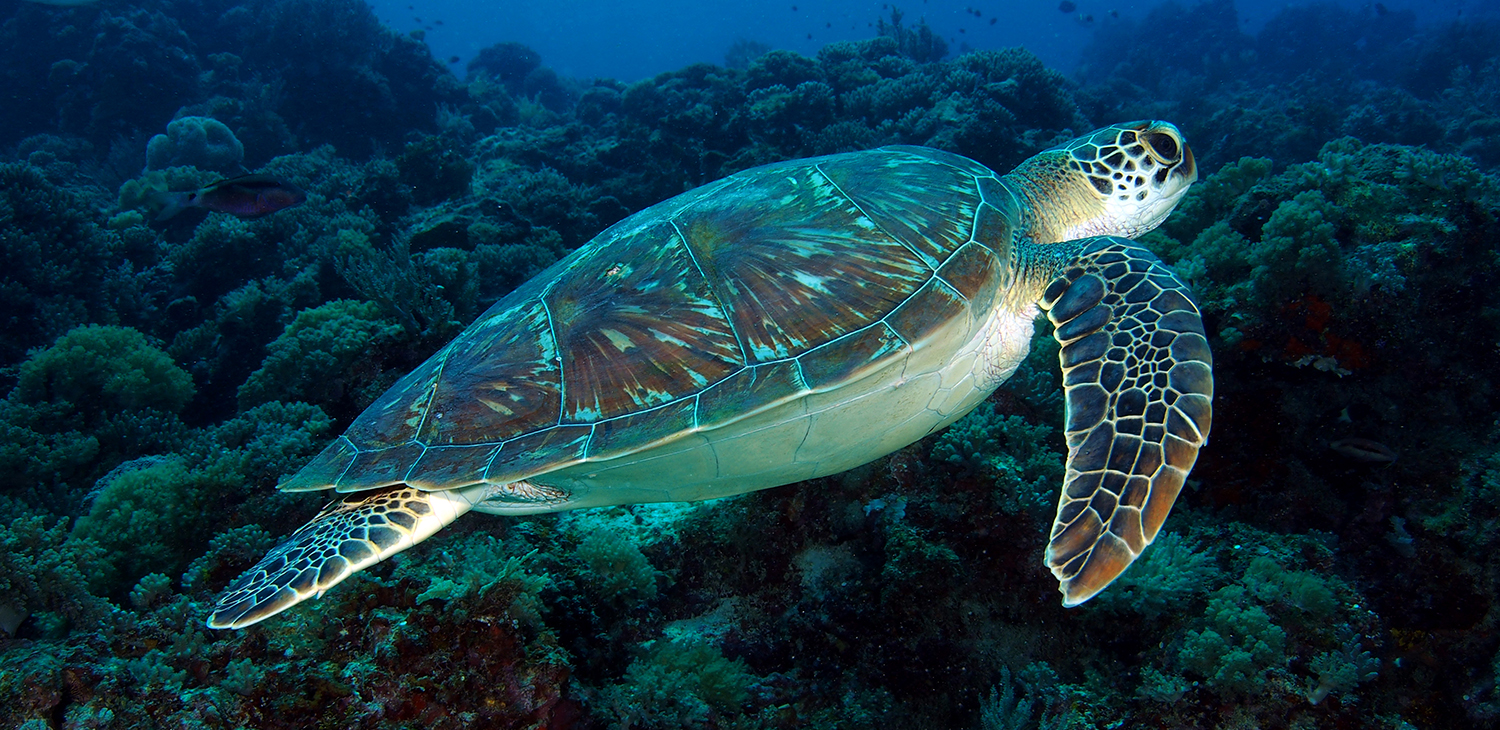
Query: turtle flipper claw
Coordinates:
[1138,378]
[349,535]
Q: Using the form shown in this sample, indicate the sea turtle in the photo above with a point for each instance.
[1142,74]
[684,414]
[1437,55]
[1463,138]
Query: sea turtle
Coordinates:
[788,322]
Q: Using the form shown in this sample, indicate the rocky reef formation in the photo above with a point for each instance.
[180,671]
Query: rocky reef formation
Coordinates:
[1331,562]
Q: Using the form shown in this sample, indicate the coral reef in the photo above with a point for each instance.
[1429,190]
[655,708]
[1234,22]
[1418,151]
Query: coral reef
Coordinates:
[199,142]
[54,262]
[317,358]
[326,65]
[1330,564]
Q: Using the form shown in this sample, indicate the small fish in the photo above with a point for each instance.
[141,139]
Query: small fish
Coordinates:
[247,196]
[1067,6]
[454,59]
[1358,449]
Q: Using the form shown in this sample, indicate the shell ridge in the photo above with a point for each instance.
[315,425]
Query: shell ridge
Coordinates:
[342,472]
[437,378]
[562,376]
[907,348]
[414,462]
[593,433]
[873,220]
[594,429]
[801,376]
[974,224]
[712,290]
[905,351]
[944,283]
[485,473]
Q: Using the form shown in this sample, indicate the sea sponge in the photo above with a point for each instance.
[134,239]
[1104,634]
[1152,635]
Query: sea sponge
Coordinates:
[144,192]
[53,262]
[314,359]
[1010,453]
[620,570]
[848,65]
[1240,646]
[102,369]
[1167,577]
[147,515]
[201,142]
[544,86]
[781,68]
[782,115]
[98,396]
[266,443]
[43,570]
[433,170]
[679,683]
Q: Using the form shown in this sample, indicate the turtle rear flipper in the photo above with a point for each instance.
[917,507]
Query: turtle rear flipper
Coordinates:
[348,536]
[1138,378]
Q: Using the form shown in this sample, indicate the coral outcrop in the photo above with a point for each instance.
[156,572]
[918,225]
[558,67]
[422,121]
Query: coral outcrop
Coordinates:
[1329,564]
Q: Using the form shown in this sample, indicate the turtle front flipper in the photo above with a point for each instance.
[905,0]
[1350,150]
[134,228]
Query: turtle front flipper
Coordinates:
[348,536]
[1138,377]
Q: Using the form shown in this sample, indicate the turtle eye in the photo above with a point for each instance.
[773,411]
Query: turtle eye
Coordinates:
[1164,145]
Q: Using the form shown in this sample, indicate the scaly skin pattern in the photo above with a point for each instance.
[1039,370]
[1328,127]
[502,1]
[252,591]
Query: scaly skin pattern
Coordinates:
[348,536]
[1127,168]
[1138,380]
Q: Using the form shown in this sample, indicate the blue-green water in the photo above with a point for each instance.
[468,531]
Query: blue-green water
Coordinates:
[1330,562]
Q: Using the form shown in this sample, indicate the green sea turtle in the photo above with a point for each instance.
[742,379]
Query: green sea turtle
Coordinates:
[788,322]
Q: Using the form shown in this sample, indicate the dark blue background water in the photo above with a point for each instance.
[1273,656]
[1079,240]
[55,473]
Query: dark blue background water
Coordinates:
[633,40]
[1334,562]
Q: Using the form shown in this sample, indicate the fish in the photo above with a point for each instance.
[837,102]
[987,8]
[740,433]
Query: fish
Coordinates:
[1067,6]
[247,196]
[1365,450]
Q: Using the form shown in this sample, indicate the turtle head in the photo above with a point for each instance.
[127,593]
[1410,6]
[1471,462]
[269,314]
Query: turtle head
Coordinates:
[1121,180]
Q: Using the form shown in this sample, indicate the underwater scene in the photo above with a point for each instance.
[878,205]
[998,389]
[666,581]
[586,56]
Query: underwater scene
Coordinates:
[706,403]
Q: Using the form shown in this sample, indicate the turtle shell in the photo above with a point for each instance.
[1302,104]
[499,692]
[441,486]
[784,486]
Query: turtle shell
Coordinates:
[709,307]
